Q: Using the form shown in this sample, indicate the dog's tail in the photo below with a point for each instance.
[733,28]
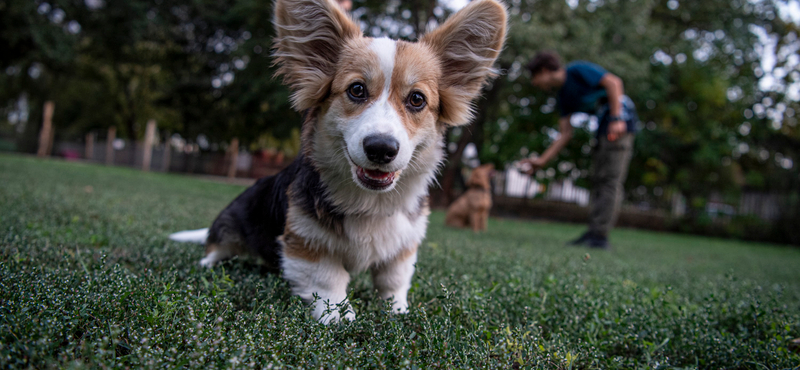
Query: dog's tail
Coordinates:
[190,236]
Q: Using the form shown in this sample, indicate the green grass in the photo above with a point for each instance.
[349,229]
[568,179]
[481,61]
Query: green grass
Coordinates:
[89,279]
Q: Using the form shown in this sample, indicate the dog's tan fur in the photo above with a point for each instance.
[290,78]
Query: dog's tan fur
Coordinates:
[472,208]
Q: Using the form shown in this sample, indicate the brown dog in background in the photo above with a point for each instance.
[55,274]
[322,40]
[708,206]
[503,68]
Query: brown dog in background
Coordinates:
[471,209]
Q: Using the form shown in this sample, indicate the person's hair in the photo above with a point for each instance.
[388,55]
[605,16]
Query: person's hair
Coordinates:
[544,60]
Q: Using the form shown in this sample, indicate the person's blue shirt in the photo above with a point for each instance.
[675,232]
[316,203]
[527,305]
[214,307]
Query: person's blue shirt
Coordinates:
[582,92]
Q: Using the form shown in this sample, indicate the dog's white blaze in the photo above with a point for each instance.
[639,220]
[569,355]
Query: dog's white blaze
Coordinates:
[386,49]
[380,118]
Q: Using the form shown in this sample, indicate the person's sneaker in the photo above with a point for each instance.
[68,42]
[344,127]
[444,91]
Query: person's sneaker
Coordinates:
[583,239]
[599,242]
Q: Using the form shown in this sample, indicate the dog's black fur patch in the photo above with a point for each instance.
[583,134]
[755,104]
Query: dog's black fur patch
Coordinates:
[256,218]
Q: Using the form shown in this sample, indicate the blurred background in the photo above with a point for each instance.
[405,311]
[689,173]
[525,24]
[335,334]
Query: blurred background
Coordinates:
[187,86]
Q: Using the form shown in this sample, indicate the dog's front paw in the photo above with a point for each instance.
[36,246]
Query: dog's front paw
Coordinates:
[335,316]
[400,307]
[332,313]
[212,258]
[207,262]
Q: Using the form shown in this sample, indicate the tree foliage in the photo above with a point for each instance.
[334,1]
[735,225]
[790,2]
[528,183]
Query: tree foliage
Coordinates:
[695,71]
[717,116]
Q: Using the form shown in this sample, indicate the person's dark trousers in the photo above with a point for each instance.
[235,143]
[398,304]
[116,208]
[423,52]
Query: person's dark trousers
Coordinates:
[610,168]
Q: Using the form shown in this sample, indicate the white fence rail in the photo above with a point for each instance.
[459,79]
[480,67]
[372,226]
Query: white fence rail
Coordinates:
[515,184]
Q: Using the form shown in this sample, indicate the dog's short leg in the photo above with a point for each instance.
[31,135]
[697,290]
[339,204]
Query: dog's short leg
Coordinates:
[321,282]
[393,279]
[317,277]
[475,220]
[216,253]
[211,259]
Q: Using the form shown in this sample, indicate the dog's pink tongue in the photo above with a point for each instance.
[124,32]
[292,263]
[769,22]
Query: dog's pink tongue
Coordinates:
[378,175]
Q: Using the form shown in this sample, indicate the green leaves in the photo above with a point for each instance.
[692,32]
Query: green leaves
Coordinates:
[694,74]
[511,297]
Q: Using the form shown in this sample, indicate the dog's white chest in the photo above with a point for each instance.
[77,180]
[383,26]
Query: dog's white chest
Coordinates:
[372,240]
[363,241]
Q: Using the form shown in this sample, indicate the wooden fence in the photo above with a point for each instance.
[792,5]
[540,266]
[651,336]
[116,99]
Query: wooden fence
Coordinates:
[513,186]
[165,157]
[509,186]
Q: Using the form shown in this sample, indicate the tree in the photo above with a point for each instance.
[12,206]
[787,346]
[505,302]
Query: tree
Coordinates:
[693,69]
[36,54]
[716,118]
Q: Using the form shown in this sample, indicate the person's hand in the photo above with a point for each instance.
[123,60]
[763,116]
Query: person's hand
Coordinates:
[616,129]
[533,164]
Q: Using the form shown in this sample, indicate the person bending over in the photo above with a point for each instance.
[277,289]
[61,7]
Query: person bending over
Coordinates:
[586,87]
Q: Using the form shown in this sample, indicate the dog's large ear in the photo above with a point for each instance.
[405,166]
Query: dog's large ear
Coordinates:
[309,40]
[468,44]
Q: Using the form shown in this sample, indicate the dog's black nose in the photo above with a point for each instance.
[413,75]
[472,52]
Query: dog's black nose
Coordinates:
[381,149]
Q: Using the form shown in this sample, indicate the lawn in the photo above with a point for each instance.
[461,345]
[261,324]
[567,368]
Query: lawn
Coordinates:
[89,279]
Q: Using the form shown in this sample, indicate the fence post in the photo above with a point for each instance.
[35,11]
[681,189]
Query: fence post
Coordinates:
[149,138]
[89,151]
[46,135]
[234,150]
[112,135]
[167,156]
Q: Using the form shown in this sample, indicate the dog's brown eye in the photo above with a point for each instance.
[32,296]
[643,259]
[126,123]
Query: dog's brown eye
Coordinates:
[357,92]
[416,101]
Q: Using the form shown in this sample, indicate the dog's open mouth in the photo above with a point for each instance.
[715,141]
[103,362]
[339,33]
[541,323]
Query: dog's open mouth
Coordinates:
[375,179]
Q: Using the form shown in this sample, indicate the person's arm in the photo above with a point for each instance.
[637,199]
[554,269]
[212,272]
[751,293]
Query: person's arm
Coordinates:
[565,129]
[614,91]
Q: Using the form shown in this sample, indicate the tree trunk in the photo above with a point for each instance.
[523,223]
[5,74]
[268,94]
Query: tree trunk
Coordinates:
[453,167]
[422,12]
[46,135]
[472,133]
[149,138]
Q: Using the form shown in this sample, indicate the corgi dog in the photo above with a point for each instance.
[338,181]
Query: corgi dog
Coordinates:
[472,208]
[375,114]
